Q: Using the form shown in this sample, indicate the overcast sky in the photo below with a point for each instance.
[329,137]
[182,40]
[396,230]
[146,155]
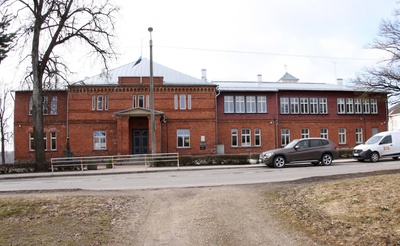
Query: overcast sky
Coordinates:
[314,40]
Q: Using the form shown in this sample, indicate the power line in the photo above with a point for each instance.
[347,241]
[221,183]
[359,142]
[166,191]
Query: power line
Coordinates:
[268,53]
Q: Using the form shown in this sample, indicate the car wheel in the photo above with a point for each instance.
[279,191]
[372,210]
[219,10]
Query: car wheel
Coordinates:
[374,157]
[279,161]
[315,163]
[326,159]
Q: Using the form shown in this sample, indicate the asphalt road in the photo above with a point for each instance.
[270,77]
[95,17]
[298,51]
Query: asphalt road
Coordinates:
[191,178]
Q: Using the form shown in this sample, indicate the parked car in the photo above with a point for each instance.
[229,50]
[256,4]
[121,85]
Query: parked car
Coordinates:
[383,144]
[314,150]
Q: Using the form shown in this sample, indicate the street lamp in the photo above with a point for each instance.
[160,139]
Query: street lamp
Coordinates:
[152,117]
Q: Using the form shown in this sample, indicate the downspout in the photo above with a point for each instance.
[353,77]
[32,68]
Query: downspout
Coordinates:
[216,117]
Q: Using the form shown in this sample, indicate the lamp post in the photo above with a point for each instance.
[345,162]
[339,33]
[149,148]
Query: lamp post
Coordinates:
[152,117]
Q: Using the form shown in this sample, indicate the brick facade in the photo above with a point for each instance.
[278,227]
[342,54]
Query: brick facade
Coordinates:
[119,115]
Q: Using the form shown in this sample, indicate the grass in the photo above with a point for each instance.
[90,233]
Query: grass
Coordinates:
[359,211]
[57,220]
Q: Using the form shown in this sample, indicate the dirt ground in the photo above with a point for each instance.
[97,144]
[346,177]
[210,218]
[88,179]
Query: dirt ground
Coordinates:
[225,215]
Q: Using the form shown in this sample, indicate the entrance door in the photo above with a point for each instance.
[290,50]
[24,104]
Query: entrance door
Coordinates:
[140,139]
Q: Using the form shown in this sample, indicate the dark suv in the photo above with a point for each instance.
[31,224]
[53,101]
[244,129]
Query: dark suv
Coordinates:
[314,150]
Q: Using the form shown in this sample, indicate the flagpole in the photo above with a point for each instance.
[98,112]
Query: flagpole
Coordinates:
[141,67]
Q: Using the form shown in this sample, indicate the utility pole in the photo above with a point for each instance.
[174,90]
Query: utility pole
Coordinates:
[152,118]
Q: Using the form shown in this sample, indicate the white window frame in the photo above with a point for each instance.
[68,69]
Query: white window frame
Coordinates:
[251,104]
[284,105]
[183,138]
[246,137]
[176,102]
[358,109]
[305,133]
[31,142]
[294,105]
[234,137]
[342,135]
[323,105]
[189,101]
[240,105]
[134,101]
[53,105]
[106,102]
[350,105]
[374,106]
[366,106]
[182,102]
[359,135]
[93,103]
[229,104]
[341,106]
[323,132]
[285,136]
[53,141]
[99,102]
[304,107]
[147,101]
[262,104]
[99,140]
[314,106]
[257,137]
[141,101]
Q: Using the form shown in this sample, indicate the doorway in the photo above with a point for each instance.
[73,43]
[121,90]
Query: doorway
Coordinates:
[140,141]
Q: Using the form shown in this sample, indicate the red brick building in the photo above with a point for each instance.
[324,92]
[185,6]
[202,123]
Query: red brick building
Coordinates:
[110,114]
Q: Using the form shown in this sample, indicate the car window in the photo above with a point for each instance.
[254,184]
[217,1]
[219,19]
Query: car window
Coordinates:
[303,144]
[315,143]
[386,140]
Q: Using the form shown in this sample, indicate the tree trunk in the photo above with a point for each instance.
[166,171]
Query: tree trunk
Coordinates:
[3,153]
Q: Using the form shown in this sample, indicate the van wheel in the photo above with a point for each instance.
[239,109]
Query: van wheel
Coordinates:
[374,157]
[326,159]
[279,161]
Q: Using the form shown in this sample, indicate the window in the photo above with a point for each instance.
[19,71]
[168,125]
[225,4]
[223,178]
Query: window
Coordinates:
[53,141]
[183,138]
[341,106]
[31,142]
[99,140]
[176,102]
[106,102]
[93,102]
[53,105]
[30,105]
[134,102]
[374,106]
[358,106]
[240,104]
[305,133]
[234,137]
[294,105]
[229,106]
[359,135]
[45,105]
[189,97]
[99,102]
[342,135]
[182,101]
[284,105]
[147,101]
[349,106]
[141,101]
[324,133]
[257,137]
[250,104]
[285,136]
[261,104]
[314,106]
[323,105]
[304,106]
[366,106]
[246,137]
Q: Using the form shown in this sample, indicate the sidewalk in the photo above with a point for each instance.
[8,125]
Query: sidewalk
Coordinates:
[125,169]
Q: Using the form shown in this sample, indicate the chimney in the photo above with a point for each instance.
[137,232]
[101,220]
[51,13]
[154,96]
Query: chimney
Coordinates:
[259,77]
[339,81]
[204,74]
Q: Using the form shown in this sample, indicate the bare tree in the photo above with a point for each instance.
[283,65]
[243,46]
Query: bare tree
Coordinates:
[385,77]
[5,116]
[48,24]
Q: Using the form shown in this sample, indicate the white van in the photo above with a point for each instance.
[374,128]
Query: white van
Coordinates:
[381,145]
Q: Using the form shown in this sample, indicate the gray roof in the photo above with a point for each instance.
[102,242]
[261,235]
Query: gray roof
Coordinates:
[171,77]
[278,86]
[287,77]
[394,110]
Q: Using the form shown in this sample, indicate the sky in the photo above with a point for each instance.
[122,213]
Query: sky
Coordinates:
[316,41]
